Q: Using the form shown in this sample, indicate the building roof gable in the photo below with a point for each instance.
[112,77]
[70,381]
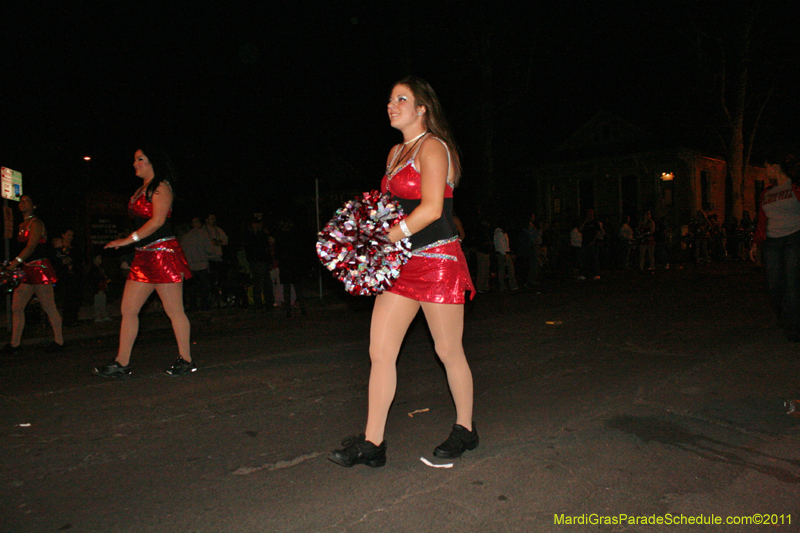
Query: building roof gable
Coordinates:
[603,130]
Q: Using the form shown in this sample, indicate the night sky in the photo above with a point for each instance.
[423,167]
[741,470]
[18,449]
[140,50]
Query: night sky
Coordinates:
[253,103]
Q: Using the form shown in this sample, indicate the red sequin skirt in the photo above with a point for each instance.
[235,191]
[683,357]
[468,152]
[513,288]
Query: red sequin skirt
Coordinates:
[39,272]
[161,261]
[437,274]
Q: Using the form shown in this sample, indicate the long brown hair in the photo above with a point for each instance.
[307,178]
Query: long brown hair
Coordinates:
[435,121]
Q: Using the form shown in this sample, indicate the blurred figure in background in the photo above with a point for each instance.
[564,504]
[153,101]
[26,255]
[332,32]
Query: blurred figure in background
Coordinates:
[39,278]
[198,248]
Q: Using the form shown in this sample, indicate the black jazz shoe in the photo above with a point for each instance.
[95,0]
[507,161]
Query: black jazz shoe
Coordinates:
[113,370]
[359,451]
[459,441]
[181,367]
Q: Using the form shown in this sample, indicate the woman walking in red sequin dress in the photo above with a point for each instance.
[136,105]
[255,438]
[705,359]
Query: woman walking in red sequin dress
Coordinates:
[158,265]
[39,279]
[421,173]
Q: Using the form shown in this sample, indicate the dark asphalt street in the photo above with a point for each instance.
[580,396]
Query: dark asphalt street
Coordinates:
[644,396]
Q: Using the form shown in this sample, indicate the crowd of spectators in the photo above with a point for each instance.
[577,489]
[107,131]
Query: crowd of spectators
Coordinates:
[258,268]
[531,251]
[261,266]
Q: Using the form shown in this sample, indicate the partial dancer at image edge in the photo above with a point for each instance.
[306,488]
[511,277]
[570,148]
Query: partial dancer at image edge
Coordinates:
[421,173]
[158,265]
[40,276]
[778,235]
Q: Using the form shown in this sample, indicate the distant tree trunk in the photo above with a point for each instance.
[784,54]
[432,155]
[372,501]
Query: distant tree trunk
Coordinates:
[733,108]
[740,106]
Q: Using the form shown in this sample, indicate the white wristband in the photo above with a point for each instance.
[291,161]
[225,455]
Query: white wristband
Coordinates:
[18,260]
[135,236]
[405,229]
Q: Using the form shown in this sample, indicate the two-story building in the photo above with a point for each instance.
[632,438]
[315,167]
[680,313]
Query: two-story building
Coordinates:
[618,169]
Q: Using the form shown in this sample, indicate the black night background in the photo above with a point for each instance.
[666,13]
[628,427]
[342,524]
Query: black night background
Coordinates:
[255,101]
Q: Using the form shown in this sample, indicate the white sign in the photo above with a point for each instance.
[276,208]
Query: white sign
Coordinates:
[11,184]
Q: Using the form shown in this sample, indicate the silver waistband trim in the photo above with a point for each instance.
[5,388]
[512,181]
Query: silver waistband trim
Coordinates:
[421,252]
[150,247]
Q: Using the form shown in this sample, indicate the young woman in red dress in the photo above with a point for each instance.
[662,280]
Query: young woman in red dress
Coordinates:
[158,265]
[39,279]
[421,173]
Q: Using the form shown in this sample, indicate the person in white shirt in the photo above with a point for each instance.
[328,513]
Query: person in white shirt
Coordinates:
[218,240]
[505,264]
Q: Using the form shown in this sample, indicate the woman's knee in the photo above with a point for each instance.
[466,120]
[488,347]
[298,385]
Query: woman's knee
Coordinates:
[451,355]
[129,311]
[22,295]
[382,356]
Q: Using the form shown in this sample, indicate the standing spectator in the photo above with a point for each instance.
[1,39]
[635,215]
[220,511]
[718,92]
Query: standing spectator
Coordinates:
[551,246]
[575,245]
[602,244]
[778,235]
[505,264]
[718,238]
[625,237]
[216,265]
[661,238]
[275,279]
[701,229]
[289,254]
[256,249]
[592,233]
[530,239]
[68,269]
[647,246]
[198,248]
[544,247]
[98,281]
[483,256]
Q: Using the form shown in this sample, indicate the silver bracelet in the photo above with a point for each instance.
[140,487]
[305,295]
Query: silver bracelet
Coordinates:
[405,229]
[135,236]
[18,259]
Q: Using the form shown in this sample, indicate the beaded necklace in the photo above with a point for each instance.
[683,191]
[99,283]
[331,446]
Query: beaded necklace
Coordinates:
[397,162]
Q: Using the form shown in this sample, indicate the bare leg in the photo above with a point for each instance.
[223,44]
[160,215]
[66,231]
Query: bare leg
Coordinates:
[22,295]
[48,302]
[446,323]
[391,316]
[171,295]
[133,298]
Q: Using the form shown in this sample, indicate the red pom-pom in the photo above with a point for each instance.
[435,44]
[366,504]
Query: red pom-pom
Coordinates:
[10,280]
[355,244]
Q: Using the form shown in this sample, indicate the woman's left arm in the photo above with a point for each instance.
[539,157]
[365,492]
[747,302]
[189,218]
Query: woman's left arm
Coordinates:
[433,169]
[162,203]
